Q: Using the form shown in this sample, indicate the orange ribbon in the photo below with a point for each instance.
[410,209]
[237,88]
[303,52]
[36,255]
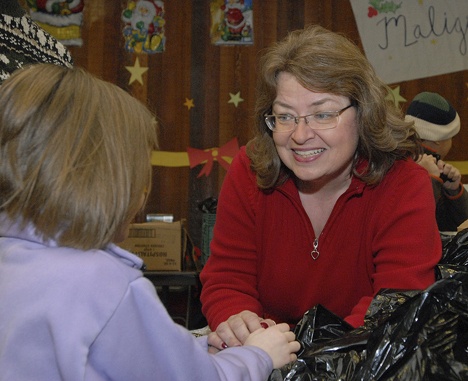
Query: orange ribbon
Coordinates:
[207,156]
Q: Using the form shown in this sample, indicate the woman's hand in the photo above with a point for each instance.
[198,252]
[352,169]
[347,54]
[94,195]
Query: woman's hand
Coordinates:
[277,340]
[235,331]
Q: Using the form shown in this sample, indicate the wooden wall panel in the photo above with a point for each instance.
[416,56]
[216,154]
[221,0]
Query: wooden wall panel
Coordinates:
[192,67]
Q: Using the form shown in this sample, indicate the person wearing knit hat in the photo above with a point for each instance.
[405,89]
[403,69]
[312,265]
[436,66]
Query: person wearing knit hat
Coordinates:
[437,122]
[23,42]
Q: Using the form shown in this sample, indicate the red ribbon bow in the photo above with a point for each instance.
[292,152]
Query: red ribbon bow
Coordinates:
[198,156]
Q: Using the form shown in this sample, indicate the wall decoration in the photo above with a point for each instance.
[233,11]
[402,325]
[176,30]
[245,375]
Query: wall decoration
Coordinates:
[144,26]
[189,103]
[231,22]
[61,19]
[136,72]
[235,99]
[194,157]
[407,40]
[394,95]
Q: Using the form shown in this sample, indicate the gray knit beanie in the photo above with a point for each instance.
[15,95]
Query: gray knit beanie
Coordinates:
[434,117]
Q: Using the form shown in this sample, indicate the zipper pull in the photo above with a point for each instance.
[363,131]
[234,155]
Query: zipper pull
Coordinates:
[315,253]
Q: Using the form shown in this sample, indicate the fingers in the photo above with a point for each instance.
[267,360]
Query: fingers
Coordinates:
[283,327]
[227,336]
[237,328]
[290,336]
[428,162]
[251,320]
[267,323]
[452,176]
[215,343]
[441,164]
[295,346]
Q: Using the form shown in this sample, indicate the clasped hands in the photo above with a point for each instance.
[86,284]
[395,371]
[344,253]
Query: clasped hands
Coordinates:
[247,328]
[437,168]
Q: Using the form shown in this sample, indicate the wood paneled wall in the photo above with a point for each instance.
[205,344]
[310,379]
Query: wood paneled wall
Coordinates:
[191,67]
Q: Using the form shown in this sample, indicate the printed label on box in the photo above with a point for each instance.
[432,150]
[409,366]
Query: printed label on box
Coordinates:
[157,243]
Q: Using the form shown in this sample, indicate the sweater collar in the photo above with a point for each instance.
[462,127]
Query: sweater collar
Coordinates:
[13,229]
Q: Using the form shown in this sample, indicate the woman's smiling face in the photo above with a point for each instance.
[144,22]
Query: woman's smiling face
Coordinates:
[314,155]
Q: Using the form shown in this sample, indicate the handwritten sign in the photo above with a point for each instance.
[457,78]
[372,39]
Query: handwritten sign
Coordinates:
[406,40]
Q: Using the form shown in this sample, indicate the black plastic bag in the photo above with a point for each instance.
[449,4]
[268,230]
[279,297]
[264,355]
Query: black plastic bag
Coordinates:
[330,348]
[425,338]
[455,250]
[408,335]
[454,255]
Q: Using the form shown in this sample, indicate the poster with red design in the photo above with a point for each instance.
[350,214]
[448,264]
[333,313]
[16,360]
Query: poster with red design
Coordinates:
[61,19]
[231,22]
[412,39]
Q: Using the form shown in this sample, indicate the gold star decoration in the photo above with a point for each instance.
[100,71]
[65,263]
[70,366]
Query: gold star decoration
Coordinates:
[136,72]
[189,103]
[235,99]
[395,97]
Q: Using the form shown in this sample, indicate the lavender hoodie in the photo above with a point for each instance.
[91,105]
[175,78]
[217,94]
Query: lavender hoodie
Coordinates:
[67,314]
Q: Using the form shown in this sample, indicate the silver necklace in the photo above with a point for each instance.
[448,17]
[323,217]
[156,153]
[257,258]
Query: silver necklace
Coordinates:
[315,253]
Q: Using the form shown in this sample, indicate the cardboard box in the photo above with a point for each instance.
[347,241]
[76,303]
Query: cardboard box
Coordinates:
[159,244]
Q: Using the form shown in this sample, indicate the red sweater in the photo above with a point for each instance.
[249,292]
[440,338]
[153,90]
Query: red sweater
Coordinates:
[376,237]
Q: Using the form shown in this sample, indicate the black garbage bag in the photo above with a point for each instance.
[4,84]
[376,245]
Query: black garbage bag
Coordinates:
[454,255]
[455,250]
[426,338]
[329,348]
[408,335]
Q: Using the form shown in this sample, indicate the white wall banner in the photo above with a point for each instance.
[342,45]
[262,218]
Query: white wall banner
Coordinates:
[411,39]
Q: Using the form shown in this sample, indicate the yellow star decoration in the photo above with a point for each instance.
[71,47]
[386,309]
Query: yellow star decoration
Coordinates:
[235,99]
[395,97]
[189,103]
[136,72]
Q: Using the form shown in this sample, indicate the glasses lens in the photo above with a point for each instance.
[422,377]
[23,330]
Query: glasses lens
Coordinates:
[270,122]
[323,119]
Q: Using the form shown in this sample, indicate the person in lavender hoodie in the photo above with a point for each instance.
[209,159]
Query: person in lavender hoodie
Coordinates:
[74,170]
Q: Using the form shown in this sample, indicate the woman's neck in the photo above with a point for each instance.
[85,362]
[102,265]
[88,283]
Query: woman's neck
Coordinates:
[331,183]
[11,8]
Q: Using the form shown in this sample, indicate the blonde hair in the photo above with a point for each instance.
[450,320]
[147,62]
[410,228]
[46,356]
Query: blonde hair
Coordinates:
[327,62]
[74,154]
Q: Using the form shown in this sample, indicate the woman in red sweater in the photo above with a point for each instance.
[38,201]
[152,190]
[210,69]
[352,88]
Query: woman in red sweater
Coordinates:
[326,204]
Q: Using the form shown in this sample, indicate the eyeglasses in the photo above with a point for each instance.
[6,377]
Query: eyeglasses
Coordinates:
[322,120]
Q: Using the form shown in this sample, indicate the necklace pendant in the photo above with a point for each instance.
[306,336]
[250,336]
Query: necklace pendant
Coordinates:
[315,253]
